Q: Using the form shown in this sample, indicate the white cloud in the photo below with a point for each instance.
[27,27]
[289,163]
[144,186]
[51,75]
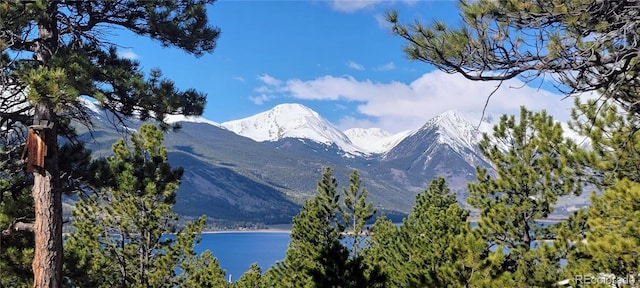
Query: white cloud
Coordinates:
[386,67]
[352,5]
[355,5]
[259,100]
[240,79]
[128,54]
[382,22]
[398,106]
[355,65]
[267,79]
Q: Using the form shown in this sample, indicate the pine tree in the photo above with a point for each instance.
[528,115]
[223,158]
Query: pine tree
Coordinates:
[614,142]
[58,54]
[202,271]
[381,254]
[250,279]
[315,249]
[358,211]
[579,46]
[16,245]
[601,237]
[16,205]
[420,252]
[535,169]
[613,241]
[120,238]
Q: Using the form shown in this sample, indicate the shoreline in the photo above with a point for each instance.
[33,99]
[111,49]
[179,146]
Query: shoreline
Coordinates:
[247,231]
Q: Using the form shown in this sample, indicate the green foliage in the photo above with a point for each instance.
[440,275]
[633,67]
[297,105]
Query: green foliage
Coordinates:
[121,230]
[613,240]
[427,249]
[59,53]
[16,250]
[315,229]
[316,256]
[583,45]
[250,279]
[537,167]
[202,271]
[16,208]
[358,211]
[380,254]
[603,234]
[614,142]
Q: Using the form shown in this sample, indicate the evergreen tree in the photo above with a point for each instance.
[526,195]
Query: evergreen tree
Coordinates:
[579,45]
[613,241]
[16,244]
[358,211]
[316,256]
[381,254]
[59,54]
[614,142]
[534,165]
[315,234]
[16,206]
[250,279]
[120,238]
[202,271]
[600,236]
[422,251]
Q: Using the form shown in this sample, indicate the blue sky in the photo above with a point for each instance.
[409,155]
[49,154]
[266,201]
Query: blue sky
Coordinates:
[336,57]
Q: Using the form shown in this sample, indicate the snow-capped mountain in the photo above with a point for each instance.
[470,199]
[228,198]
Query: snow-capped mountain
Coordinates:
[459,130]
[291,121]
[375,140]
[191,119]
[246,170]
[447,142]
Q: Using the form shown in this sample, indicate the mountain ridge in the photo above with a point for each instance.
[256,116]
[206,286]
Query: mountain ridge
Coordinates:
[230,177]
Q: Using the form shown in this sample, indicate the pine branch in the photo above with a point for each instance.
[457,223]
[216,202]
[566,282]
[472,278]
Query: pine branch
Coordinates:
[16,226]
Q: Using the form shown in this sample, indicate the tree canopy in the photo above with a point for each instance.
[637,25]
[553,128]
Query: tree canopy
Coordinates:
[54,54]
[580,45]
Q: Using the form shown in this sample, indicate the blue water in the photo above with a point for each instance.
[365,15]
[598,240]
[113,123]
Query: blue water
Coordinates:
[237,250]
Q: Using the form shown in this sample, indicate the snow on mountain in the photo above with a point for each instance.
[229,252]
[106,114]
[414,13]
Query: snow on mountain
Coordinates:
[92,105]
[459,130]
[375,140]
[291,121]
[192,119]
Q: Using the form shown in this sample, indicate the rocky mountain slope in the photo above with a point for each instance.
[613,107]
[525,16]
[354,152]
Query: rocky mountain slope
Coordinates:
[262,168]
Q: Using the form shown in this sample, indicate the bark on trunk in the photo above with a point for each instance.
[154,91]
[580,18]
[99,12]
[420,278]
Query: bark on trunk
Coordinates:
[47,260]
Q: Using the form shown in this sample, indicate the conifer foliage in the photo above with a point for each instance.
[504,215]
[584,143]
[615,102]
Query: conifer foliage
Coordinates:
[421,251]
[316,256]
[54,52]
[357,211]
[534,165]
[121,237]
[579,46]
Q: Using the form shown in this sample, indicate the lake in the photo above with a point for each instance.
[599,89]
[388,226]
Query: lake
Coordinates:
[237,250]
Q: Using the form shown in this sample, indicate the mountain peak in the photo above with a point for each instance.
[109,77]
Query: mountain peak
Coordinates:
[374,140]
[362,132]
[290,120]
[294,108]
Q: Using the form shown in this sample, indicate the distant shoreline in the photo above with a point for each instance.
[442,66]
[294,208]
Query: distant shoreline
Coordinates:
[247,231]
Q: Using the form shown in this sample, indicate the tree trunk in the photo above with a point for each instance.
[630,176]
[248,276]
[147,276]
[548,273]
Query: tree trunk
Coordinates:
[47,260]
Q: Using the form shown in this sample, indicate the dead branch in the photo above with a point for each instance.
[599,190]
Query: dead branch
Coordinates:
[17,226]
